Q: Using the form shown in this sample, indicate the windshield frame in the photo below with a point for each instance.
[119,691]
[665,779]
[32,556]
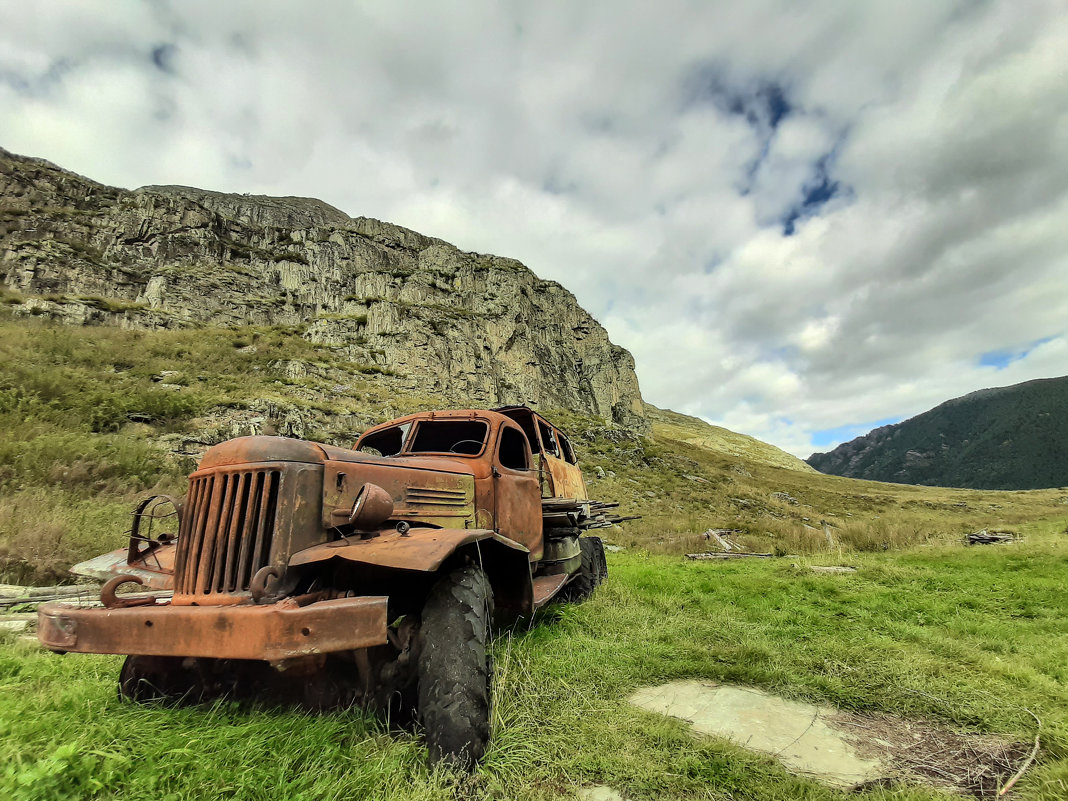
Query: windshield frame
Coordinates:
[406,433]
[406,450]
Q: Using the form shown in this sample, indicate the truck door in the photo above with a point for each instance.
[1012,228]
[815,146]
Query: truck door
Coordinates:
[561,477]
[517,499]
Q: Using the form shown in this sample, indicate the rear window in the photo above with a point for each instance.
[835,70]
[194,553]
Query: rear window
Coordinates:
[464,437]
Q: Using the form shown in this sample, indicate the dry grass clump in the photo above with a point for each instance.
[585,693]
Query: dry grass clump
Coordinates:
[43,533]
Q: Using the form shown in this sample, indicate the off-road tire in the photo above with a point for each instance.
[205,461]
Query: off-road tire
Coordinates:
[593,571]
[455,668]
[163,679]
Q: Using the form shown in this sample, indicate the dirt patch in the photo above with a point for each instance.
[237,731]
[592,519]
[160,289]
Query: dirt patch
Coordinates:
[917,751]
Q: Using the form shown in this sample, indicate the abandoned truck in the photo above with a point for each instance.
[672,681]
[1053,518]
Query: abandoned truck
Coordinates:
[341,576]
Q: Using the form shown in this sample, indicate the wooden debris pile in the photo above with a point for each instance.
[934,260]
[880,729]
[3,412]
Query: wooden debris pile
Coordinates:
[577,513]
[731,549]
[985,537]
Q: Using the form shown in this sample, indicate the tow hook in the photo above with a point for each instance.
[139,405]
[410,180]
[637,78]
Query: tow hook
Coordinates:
[112,601]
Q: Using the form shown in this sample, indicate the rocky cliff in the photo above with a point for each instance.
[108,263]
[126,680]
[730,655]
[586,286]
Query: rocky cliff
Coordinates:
[477,329]
[1003,438]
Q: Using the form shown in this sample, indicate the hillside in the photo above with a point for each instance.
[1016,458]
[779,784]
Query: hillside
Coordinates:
[95,416]
[1004,438]
[139,328]
[691,430]
[417,312]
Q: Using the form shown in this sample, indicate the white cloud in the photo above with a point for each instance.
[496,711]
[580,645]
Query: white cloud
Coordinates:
[648,157]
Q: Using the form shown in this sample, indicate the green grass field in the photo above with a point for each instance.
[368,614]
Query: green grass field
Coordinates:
[966,637]
[926,629]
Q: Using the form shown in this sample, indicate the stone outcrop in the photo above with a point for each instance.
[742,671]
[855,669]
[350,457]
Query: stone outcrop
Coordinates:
[478,329]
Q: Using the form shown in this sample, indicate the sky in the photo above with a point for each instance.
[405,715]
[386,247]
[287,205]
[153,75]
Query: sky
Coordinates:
[803,219]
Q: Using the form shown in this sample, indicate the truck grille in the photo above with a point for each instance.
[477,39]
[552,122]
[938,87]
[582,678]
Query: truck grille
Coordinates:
[226,532]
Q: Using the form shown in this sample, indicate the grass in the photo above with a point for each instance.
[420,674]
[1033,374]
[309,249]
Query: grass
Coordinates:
[966,637]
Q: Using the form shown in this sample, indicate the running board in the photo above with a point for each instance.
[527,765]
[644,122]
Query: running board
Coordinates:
[545,587]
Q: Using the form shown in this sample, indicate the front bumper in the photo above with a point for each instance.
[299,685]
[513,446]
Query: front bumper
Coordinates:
[269,632]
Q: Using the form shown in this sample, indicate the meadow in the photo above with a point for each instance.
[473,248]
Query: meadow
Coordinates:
[972,638]
[969,638]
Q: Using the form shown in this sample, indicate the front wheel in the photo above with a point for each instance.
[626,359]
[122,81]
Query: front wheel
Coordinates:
[455,668]
[165,679]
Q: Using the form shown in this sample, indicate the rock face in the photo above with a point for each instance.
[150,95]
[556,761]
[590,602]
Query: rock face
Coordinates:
[478,329]
[1004,438]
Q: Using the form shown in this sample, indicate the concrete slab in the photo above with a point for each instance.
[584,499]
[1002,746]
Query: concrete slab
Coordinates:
[600,792]
[19,621]
[795,733]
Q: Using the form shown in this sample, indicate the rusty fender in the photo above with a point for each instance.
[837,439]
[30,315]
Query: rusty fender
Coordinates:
[244,631]
[420,549]
[506,562]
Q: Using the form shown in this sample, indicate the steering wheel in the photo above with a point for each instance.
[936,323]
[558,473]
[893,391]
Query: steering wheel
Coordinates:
[476,442]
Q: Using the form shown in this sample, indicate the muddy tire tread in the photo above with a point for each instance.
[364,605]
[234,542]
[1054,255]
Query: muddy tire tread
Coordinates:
[455,668]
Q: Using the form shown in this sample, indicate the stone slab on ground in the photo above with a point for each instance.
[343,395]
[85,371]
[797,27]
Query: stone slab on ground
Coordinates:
[795,733]
[18,622]
[600,792]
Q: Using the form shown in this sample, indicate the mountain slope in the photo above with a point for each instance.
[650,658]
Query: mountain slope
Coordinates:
[722,441]
[476,329]
[1004,438]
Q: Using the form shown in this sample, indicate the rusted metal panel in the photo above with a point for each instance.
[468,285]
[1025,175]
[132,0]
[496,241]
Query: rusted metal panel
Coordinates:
[518,507]
[271,632]
[422,497]
[567,481]
[545,587]
[115,563]
[420,549]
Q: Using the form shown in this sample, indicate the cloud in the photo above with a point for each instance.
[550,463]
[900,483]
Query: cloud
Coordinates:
[799,218]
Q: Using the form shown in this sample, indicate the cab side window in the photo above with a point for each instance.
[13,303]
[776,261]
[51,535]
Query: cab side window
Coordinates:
[514,452]
[548,440]
[569,452]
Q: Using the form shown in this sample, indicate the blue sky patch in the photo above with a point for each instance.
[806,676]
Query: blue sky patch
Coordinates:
[163,57]
[1000,359]
[763,103]
[815,193]
[821,439]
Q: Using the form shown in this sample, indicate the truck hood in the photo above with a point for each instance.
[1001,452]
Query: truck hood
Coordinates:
[247,450]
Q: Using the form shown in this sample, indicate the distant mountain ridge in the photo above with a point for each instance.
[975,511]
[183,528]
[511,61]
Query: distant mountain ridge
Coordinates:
[1010,438]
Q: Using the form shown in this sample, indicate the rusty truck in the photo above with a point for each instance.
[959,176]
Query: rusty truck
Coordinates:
[371,575]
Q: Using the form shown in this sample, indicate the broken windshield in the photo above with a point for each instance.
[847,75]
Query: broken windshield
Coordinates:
[464,437]
[387,442]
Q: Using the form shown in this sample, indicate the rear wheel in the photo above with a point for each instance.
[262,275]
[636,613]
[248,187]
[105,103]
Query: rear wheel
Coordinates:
[456,668]
[593,571]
